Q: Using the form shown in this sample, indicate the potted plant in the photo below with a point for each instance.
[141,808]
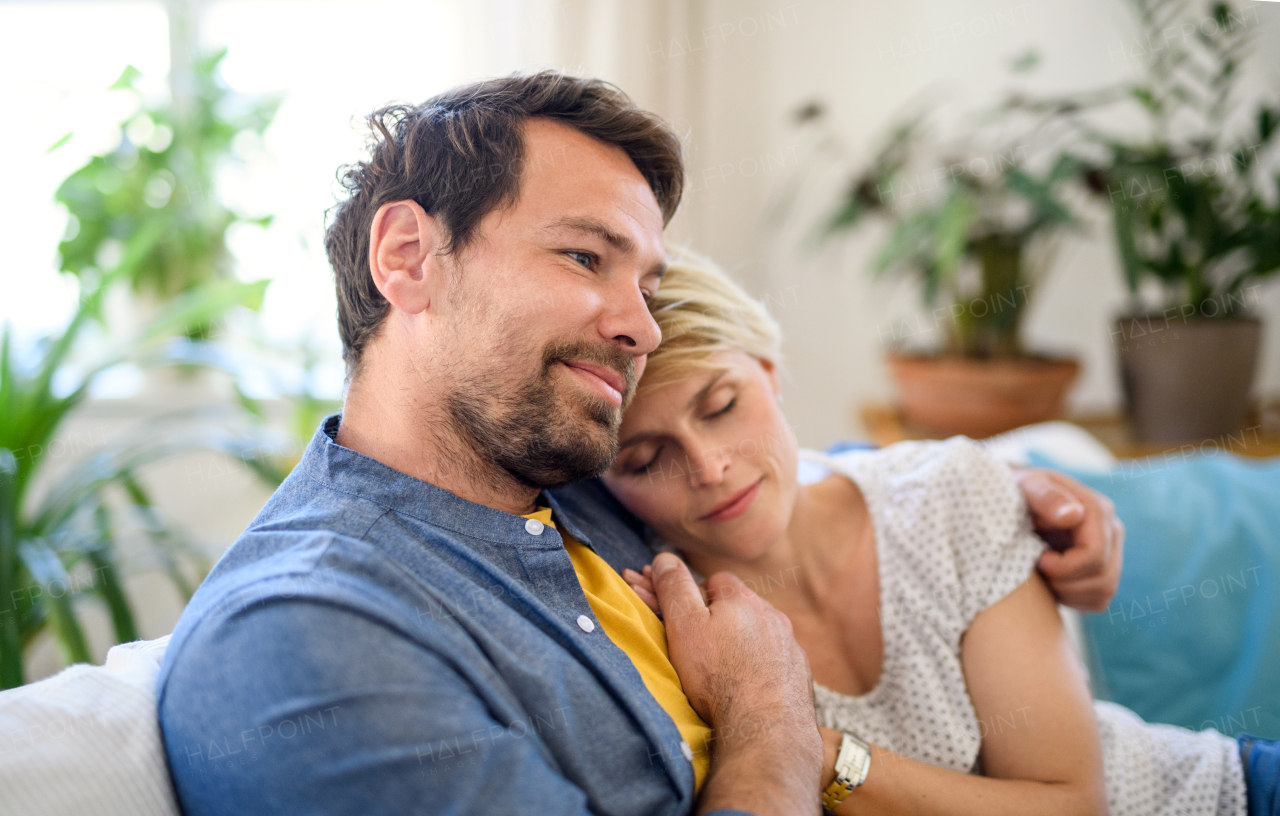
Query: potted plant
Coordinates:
[143,217]
[977,229]
[60,526]
[159,186]
[1196,225]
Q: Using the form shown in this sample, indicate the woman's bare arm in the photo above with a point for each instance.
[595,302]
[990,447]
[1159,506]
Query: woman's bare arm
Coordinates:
[1040,749]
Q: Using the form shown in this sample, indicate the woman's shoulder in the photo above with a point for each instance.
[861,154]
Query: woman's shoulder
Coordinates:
[957,468]
[954,514]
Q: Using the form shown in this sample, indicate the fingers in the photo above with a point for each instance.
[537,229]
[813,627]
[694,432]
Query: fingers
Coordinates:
[1074,580]
[724,585]
[1053,505]
[635,579]
[643,587]
[1084,572]
[1092,545]
[702,585]
[675,588]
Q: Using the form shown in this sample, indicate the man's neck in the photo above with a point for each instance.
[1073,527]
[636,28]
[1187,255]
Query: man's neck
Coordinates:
[385,424]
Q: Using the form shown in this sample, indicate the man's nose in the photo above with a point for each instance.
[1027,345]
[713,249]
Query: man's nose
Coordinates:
[628,321]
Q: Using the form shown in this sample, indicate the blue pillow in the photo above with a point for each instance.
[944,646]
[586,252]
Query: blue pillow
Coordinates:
[1193,635]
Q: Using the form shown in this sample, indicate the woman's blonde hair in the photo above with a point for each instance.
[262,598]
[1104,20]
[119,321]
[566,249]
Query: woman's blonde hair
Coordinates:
[702,312]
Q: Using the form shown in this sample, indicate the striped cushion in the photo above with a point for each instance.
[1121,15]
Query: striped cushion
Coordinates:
[87,740]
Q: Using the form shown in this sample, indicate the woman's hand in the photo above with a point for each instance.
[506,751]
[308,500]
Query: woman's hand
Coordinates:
[643,586]
[1087,540]
[642,583]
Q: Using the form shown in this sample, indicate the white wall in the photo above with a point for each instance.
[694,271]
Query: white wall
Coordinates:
[746,65]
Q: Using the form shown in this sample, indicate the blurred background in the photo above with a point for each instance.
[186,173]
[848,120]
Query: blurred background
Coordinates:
[967,215]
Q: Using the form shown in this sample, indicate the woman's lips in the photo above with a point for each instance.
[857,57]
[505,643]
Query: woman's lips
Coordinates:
[736,505]
[607,383]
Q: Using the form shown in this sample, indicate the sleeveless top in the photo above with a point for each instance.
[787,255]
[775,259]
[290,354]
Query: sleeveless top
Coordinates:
[953,537]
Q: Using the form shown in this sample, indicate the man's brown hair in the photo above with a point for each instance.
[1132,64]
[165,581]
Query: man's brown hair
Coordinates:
[459,156]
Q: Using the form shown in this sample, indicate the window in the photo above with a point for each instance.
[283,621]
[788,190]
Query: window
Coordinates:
[333,61]
[57,61]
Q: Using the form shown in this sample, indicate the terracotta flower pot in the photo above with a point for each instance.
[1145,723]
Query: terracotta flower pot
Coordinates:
[1186,380]
[980,398]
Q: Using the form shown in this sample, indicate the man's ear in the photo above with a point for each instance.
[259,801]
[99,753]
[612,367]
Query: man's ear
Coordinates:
[404,243]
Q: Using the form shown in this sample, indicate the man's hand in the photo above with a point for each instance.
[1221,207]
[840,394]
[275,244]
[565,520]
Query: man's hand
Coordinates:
[746,676]
[1086,573]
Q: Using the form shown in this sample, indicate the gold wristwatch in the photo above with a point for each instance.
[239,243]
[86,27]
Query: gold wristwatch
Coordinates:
[852,763]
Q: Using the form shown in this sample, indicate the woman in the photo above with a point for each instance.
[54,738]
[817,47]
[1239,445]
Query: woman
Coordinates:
[909,577]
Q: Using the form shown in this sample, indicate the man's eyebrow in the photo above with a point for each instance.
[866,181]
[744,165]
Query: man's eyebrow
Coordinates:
[595,227]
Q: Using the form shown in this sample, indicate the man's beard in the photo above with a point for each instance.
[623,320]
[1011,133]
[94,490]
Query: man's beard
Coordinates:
[539,438]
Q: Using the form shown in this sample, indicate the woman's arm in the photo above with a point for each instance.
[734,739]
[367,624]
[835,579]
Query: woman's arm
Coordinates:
[1040,748]
[1041,753]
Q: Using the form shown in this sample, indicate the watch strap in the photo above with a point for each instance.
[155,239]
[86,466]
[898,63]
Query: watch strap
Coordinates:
[853,761]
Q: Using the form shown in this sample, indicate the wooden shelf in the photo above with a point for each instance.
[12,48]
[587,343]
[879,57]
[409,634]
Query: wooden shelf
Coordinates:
[1259,438]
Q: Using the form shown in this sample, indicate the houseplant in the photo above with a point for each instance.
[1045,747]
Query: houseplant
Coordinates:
[1193,208]
[143,218]
[58,539]
[977,229]
[162,177]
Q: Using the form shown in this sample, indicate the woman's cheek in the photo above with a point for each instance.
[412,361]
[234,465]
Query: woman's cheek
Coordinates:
[657,501]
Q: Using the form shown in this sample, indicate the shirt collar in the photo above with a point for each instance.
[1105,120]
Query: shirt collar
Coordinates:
[353,473]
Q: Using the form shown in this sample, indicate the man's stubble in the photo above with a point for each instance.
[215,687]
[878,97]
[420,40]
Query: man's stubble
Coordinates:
[536,431]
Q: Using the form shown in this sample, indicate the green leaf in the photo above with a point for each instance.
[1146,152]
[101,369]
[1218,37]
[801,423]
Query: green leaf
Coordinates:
[1047,209]
[126,80]
[10,640]
[49,575]
[958,214]
[1122,214]
[66,138]
[1025,62]
[203,305]
[106,581]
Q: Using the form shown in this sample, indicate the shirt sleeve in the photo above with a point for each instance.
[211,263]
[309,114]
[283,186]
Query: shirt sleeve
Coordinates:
[334,712]
[995,547]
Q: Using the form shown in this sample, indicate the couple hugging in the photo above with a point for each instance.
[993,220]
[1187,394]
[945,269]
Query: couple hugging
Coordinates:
[452,605]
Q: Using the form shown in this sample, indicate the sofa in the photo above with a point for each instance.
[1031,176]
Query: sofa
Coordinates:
[87,740]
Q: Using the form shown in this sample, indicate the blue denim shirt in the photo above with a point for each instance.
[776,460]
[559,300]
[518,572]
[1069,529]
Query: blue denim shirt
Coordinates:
[375,644]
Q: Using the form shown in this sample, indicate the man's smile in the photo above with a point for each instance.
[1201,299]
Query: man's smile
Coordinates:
[606,382]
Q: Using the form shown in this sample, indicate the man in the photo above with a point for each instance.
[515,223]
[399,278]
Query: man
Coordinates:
[414,623]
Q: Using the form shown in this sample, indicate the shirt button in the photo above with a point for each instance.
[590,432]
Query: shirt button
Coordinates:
[585,624]
[686,750]
[534,527]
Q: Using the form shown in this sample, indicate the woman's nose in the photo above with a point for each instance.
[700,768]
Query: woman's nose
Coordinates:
[710,464]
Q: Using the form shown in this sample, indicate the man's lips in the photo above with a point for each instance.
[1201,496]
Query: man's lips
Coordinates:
[608,382]
[735,505]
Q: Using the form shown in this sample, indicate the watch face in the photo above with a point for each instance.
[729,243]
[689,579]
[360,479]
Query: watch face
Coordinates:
[853,761]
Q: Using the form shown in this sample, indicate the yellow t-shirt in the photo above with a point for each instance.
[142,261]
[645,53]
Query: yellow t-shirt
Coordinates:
[639,633]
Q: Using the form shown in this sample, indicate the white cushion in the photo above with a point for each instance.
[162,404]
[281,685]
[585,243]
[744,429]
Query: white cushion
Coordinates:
[1065,444]
[87,739]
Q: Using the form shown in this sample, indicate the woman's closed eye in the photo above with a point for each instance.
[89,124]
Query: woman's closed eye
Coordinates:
[726,409]
[643,469]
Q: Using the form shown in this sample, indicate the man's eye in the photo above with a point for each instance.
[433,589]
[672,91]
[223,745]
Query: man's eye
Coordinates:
[584,258]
